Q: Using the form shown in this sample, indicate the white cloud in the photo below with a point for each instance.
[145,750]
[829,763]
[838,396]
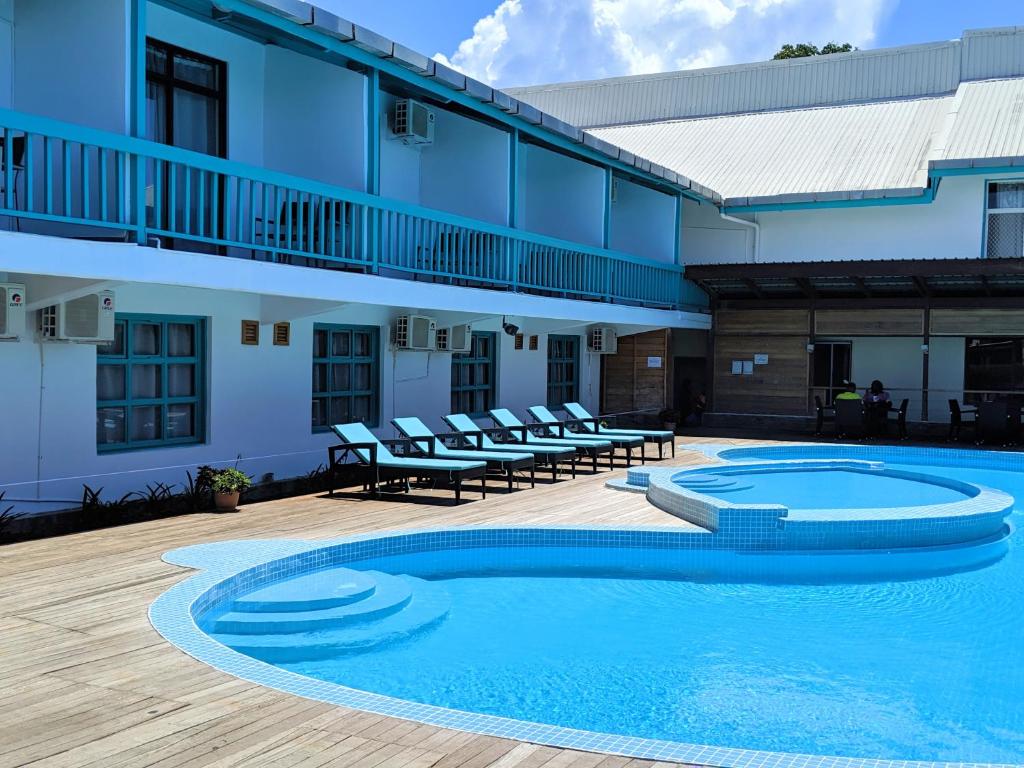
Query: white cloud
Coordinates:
[538,41]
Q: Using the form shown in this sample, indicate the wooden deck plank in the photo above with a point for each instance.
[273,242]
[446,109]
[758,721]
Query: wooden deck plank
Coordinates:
[89,683]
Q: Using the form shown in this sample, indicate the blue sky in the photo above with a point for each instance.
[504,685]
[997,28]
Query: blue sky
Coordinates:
[518,42]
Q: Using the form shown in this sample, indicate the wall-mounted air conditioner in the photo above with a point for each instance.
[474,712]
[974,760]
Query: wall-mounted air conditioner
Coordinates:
[413,123]
[458,338]
[88,319]
[12,311]
[415,332]
[603,341]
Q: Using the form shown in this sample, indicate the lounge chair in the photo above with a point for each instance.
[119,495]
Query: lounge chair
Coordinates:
[850,418]
[522,433]
[958,416]
[550,455]
[592,424]
[559,429]
[434,447]
[380,464]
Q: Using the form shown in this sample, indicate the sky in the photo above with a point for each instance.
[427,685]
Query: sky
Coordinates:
[526,42]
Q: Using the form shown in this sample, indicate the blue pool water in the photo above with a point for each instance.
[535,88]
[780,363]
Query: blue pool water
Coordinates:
[916,668]
[821,488]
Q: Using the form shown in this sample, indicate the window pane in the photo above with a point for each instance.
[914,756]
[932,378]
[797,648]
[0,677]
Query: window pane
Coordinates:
[181,420]
[146,339]
[196,71]
[110,382]
[320,344]
[196,122]
[361,377]
[181,340]
[1005,235]
[116,347]
[181,380]
[109,426]
[145,381]
[341,343]
[340,413]
[156,60]
[482,373]
[1006,195]
[146,423]
[341,377]
[320,412]
[362,344]
[361,408]
[320,377]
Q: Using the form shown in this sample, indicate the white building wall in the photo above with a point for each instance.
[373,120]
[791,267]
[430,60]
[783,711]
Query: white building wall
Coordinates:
[399,164]
[643,222]
[945,374]
[315,120]
[707,238]
[897,362]
[258,398]
[560,196]
[948,228]
[465,170]
[245,61]
[71,61]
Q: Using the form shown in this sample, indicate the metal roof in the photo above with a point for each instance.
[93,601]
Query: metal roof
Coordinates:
[988,122]
[871,150]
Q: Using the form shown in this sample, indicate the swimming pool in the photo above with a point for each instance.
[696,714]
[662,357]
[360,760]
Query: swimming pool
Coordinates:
[644,643]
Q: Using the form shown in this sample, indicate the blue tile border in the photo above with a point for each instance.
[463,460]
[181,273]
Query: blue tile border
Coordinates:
[233,567]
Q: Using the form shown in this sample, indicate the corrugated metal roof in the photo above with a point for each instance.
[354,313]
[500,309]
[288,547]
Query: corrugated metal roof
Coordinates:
[988,122]
[873,75]
[877,149]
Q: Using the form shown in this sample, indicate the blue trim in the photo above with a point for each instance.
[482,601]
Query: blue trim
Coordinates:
[126,359]
[330,360]
[372,106]
[513,178]
[985,208]
[926,197]
[981,170]
[606,232]
[678,234]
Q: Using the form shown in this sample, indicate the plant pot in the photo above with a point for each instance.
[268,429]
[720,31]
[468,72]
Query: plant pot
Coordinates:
[226,502]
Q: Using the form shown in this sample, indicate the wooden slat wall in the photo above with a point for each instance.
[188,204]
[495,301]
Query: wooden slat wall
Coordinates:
[780,387]
[874,322]
[628,384]
[761,321]
[977,322]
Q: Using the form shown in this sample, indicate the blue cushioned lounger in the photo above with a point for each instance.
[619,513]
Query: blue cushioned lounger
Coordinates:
[559,429]
[592,424]
[520,432]
[551,455]
[427,442]
[380,464]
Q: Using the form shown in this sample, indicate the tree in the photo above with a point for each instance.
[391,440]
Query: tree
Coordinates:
[800,50]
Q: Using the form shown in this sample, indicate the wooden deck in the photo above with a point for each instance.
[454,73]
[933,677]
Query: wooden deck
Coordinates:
[87,681]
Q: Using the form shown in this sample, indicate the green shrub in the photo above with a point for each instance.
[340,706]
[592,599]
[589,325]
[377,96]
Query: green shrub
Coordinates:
[230,481]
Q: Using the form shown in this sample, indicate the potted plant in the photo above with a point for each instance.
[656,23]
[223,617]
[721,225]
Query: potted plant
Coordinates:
[669,419]
[227,486]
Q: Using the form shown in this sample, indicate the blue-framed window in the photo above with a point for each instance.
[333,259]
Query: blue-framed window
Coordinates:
[563,370]
[151,383]
[473,375]
[1004,220]
[346,375]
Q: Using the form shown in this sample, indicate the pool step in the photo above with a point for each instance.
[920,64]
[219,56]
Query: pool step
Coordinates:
[712,483]
[390,595]
[314,591]
[428,605]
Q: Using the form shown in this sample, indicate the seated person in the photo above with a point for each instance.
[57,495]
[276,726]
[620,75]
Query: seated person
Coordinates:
[876,395]
[850,393]
[877,403]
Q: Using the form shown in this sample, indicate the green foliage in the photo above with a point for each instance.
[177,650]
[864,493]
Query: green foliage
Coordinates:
[230,480]
[802,50]
[7,518]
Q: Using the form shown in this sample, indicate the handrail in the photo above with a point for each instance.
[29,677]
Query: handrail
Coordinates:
[218,204]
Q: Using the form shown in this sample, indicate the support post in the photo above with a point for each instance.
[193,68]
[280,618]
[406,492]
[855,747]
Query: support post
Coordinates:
[925,353]
[607,234]
[677,244]
[371,103]
[513,178]
[137,112]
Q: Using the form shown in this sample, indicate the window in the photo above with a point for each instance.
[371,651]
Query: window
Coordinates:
[563,370]
[994,365]
[473,376]
[346,379]
[831,367]
[1005,220]
[150,385]
[185,99]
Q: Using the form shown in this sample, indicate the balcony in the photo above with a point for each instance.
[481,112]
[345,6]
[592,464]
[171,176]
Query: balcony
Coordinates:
[67,180]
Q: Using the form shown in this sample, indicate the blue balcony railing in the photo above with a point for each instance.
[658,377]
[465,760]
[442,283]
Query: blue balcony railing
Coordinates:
[60,177]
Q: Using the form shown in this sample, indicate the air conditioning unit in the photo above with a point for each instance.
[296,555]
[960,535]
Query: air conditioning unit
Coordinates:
[416,332]
[458,338]
[88,319]
[413,123]
[603,341]
[12,311]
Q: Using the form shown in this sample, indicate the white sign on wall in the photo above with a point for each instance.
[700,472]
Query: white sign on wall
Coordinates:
[737,367]
[761,359]
[654,362]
